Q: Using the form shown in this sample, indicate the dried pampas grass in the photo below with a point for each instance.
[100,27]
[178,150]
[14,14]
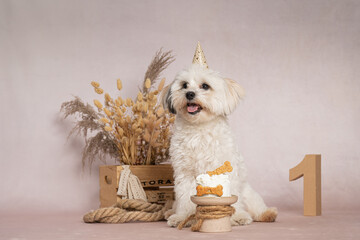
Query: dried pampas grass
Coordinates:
[96,147]
[159,63]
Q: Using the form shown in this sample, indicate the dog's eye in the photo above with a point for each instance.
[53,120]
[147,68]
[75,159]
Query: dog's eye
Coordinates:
[184,85]
[205,86]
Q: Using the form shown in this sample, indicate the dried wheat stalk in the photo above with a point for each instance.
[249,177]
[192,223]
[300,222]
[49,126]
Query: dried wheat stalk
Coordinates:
[132,132]
[140,128]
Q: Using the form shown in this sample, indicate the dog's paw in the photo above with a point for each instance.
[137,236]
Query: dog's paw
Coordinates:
[269,215]
[168,213]
[175,219]
[240,218]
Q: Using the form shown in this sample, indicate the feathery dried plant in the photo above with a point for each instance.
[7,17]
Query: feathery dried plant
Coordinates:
[133,132]
[160,62]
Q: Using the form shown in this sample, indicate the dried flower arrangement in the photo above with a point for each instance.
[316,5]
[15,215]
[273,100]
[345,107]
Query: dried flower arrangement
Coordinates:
[132,132]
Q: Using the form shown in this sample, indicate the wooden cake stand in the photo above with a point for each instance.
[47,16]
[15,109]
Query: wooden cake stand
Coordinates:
[215,225]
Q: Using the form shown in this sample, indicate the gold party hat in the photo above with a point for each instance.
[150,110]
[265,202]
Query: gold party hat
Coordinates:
[199,56]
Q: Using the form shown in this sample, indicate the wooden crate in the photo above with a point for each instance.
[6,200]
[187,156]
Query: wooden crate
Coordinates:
[157,181]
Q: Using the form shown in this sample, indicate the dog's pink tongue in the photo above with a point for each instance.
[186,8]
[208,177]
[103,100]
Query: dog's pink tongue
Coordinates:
[192,108]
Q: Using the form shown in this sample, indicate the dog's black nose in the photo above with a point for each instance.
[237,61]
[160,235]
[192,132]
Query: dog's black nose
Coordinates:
[190,95]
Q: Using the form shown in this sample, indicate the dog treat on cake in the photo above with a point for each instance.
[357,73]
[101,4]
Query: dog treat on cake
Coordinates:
[220,170]
[208,185]
[201,190]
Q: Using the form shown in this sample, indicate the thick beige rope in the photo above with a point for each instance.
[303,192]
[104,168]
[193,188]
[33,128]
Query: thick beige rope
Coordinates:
[207,212]
[138,205]
[128,210]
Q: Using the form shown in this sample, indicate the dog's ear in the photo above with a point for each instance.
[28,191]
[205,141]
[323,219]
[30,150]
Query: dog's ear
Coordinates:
[234,95]
[166,100]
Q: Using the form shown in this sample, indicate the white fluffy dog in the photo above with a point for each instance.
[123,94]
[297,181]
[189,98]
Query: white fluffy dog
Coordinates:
[202,141]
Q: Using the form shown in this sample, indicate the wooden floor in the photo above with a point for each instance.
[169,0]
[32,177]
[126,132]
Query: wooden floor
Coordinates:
[290,225]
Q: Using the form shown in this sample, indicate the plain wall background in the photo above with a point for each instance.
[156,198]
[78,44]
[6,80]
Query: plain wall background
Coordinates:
[297,60]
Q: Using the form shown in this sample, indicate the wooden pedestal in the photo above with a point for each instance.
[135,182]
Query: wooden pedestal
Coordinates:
[215,225]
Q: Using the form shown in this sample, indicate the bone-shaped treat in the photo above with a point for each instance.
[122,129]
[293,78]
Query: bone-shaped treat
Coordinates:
[201,190]
[223,169]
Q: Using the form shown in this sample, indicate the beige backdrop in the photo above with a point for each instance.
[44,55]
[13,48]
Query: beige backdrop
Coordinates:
[297,60]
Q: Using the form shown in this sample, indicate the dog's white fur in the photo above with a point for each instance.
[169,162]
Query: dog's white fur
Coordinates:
[203,142]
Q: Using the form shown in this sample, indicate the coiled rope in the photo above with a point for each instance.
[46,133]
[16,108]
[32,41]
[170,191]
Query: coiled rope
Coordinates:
[128,210]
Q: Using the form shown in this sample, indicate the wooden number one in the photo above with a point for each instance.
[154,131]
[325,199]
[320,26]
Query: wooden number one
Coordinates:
[310,169]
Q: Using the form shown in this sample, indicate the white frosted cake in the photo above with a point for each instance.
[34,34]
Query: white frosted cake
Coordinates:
[214,183]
